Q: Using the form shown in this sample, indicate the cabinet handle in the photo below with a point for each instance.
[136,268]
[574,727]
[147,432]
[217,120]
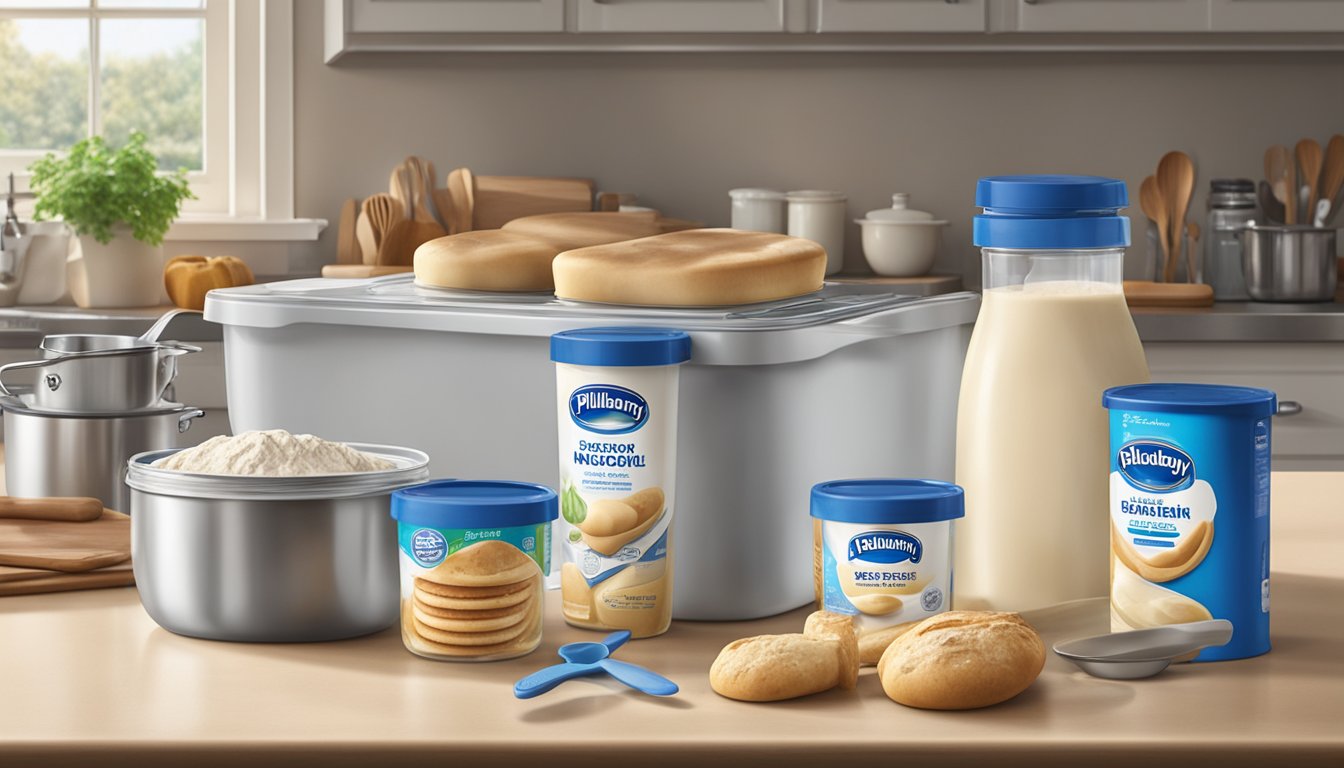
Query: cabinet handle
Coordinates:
[1288,408]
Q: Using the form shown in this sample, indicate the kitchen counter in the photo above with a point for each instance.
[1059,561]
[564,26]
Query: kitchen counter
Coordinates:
[87,678]
[1247,321]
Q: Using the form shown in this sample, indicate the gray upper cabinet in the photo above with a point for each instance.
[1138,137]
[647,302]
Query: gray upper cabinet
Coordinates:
[402,16]
[1278,15]
[673,16]
[1112,15]
[901,15]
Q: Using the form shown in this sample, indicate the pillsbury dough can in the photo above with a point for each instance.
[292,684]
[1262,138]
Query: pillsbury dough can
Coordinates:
[1190,510]
[617,409]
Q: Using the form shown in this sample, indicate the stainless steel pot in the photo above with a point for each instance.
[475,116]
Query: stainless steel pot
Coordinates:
[65,455]
[94,373]
[1289,262]
[269,559]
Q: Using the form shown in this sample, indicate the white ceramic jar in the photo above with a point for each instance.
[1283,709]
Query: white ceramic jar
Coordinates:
[758,210]
[819,216]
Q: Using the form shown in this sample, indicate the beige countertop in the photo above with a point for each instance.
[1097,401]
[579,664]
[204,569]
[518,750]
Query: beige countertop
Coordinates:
[88,679]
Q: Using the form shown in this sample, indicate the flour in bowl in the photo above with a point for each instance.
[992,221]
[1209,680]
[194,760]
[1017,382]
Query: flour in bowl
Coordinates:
[272,453]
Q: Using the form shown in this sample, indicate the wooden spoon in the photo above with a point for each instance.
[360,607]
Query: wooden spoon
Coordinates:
[347,240]
[1192,249]
[1150,200]
[399,187]
[421,186]
[462,191]
[1176,179]
[1280,173]
[1308,153]
[1332,174]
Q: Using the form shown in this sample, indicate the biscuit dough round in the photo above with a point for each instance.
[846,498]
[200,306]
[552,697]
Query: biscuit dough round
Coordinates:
[473,604]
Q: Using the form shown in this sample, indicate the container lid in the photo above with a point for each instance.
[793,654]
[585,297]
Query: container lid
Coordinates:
[1051,212]
[1192,398]
[753,193]
[888,501]
[815,196]
[1245,186]
[475,504]
[898,211]
[621,346]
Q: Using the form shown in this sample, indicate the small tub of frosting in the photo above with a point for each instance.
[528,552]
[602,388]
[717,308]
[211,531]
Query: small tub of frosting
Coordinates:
[473,554]
[882,548]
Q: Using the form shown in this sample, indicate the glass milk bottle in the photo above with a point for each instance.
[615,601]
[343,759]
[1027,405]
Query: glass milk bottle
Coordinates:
[1032,436]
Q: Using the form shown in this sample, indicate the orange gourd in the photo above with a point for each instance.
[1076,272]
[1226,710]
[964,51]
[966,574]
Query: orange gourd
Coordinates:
[189,278]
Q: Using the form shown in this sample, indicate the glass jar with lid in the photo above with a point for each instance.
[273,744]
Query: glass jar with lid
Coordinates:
[1232,206]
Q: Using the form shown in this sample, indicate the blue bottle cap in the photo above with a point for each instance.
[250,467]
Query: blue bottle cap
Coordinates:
[475,504]
[1050,212]
[622,346]
[887,501]
[1192,398]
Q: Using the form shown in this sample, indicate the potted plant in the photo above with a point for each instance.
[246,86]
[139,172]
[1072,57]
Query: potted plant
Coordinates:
[119,209]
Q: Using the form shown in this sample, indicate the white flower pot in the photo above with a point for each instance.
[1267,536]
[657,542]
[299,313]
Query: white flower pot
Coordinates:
[123,273]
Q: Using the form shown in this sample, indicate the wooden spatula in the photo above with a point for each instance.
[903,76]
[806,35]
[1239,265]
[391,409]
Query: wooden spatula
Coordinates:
[70,509]
[1331,186]
[399,244]
[347,239]
[1308,153]
[380,212]
[1176,179]
[1280,172]
[462,193]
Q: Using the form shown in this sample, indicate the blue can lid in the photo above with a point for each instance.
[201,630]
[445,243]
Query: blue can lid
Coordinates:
[621,346]
[1192,398]
[889,501]
[475,504]
[1050,212]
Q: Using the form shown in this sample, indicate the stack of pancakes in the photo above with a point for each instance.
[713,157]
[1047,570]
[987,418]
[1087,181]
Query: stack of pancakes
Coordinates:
[484,600]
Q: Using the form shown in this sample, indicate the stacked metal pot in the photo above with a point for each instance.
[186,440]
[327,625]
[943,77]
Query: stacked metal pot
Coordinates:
[75,416]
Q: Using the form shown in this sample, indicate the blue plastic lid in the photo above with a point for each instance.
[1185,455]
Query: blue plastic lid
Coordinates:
[1050,212]
[887,501]
[622,346]
[475,504]
[1192,398]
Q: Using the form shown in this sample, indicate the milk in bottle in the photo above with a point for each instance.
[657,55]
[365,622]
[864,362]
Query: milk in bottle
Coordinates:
[1032,436]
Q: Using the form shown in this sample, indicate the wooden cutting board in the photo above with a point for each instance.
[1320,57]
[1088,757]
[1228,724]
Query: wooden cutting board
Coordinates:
[66,547]
[501,199]
[1144,293]
[360,271]
[32,581]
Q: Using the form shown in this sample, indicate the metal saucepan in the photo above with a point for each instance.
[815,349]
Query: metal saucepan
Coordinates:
[1289,262]
[91,373]
[269,559]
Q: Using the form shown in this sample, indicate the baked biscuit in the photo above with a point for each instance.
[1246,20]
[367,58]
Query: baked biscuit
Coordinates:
[522,645]
[492,624]
[484,564]
[475,604]
[962,660]
[472,593]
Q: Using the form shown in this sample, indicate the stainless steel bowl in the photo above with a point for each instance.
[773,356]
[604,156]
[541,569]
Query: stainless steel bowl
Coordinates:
[1289,262]
[92,373]
[269,559]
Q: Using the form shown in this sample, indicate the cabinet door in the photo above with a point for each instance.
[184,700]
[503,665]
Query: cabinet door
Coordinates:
[683,15]
[456,16]
[1112,15]
[901,15]
[1278,15]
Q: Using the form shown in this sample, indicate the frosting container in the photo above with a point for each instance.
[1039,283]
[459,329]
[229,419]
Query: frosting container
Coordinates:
[472,556]
[1190,510]
[617,398]
[882,549]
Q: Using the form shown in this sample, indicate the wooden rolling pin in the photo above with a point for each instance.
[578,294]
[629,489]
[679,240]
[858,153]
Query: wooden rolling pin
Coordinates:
[68,509]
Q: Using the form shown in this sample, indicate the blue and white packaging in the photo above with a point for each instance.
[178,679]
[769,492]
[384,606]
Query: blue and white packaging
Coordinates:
[1190,509]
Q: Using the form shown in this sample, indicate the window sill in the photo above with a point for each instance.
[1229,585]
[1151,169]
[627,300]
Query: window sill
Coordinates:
[203,228]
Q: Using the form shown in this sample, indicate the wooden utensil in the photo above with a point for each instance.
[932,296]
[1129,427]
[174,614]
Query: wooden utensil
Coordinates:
[1191,252]
[399,187]
[428,180]
[1150,200]
[1308,153]
[1176,179]
[32,581]
[347,239]
[1332,175]
[70,509]
[360,271]
[1145,293]
[1281,175]
[417,174]
[399,244]
[1269,204]
[64,546]
[462,193]
[380,211]
[501,199]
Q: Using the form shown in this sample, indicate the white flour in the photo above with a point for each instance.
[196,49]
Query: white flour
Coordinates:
[273,453]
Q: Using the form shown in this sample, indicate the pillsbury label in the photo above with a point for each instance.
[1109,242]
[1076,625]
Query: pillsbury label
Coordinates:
[1155,466]
[608,409]
[885,547]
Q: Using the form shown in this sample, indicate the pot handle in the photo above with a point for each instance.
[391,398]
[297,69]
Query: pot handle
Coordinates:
[20,366]
[175,348]
[184,421]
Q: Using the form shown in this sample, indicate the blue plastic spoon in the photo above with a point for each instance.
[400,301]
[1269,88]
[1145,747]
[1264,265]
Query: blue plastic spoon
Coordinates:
[583,659]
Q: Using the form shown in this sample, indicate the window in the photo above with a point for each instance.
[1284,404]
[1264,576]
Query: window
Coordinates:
[75,68]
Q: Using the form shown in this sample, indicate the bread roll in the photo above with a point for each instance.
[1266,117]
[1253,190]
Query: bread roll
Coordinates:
[776,667]
[962,660]
[696,267]
[486,260]
[580,230]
